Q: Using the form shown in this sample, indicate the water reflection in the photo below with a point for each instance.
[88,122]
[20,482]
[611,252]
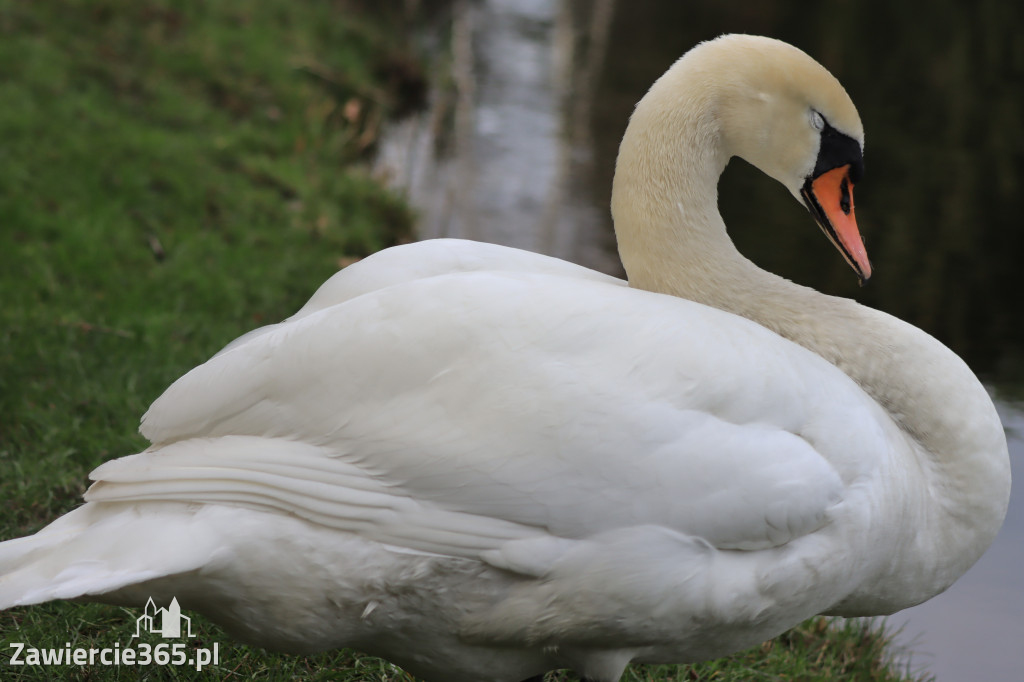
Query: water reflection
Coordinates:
[542,91]
[504,153]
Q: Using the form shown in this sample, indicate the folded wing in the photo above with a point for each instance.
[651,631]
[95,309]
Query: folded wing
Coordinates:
[456,414]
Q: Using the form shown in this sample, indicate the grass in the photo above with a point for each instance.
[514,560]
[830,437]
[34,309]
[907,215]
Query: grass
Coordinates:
[173,174]
[170,176]
[819,650]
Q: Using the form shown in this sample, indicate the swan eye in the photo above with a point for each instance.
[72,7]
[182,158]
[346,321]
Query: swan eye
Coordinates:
[817,120]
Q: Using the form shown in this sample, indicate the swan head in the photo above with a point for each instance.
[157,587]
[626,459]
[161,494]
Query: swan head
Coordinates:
[772,105]
[784,113]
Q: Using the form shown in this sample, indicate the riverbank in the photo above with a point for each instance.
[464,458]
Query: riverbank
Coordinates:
[171,176]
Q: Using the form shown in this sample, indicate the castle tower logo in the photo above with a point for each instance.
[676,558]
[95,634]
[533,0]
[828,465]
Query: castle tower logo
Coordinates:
[165,622]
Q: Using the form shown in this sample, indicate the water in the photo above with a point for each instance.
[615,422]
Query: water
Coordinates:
[520,151]
[975,629]
[494,159]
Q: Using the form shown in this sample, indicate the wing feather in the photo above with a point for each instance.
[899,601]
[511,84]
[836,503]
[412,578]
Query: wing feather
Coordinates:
[457,413]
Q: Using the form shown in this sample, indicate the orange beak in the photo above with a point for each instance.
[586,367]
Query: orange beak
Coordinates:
[829,198]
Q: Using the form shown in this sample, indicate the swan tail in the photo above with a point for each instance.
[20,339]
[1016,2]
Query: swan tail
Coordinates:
[183,506]
[154,515]
[98,549]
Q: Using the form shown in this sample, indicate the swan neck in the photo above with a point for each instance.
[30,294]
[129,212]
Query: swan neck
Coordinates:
[672,240]
[665,198]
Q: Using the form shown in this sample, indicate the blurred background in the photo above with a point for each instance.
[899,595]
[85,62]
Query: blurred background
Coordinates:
[519,142]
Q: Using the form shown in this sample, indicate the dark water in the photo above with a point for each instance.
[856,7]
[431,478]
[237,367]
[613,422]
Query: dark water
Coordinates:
[520,147]
[941,95]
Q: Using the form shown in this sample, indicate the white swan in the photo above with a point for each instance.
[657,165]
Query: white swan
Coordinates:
[483,463]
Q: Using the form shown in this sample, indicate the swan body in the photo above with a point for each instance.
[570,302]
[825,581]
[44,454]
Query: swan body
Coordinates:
[484,463]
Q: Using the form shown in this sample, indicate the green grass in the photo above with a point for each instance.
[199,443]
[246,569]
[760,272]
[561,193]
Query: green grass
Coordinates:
[820,650]
[173,174]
